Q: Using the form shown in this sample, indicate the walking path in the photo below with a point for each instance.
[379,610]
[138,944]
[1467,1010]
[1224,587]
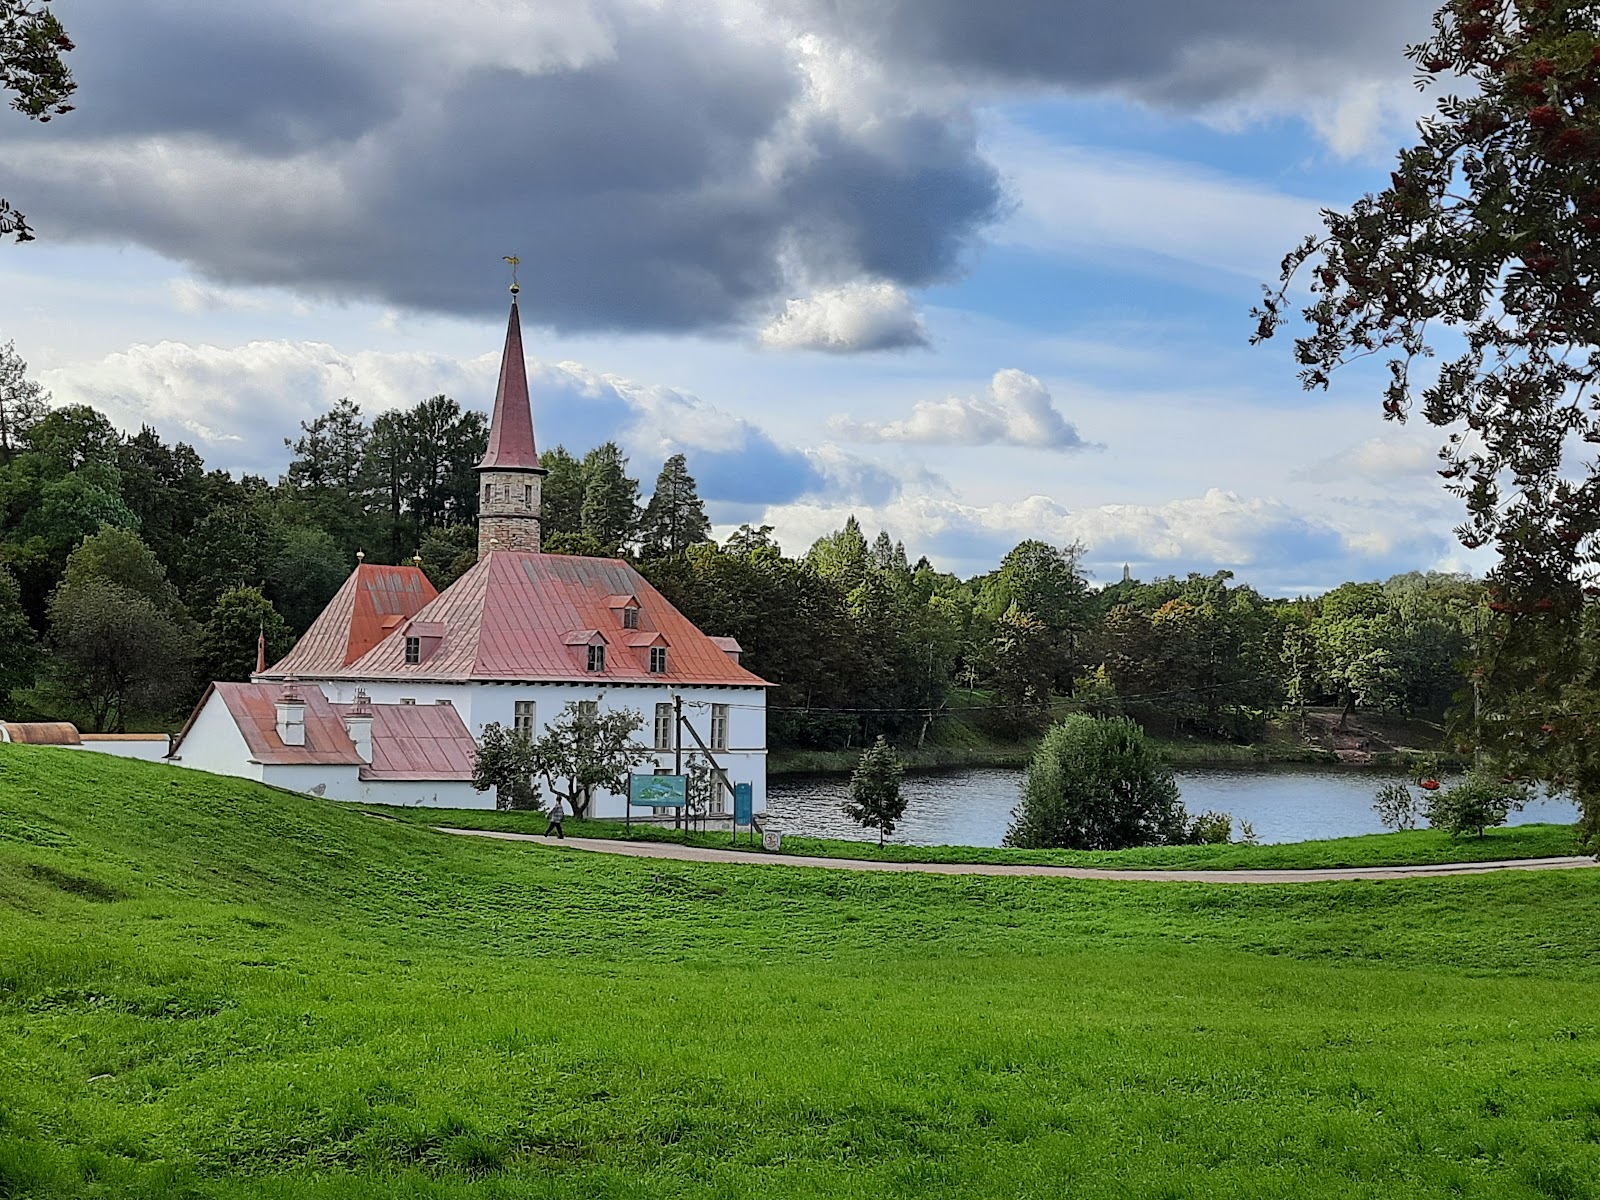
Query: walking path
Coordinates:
[670,850]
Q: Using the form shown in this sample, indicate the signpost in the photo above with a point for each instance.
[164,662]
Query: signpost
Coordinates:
[744,809]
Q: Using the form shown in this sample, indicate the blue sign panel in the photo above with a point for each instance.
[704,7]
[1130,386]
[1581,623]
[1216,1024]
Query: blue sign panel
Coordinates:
[658,791]
[743,804]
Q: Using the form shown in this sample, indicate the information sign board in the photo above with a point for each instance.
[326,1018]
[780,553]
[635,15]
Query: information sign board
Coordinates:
[772,840]
[744,804]
[658,791]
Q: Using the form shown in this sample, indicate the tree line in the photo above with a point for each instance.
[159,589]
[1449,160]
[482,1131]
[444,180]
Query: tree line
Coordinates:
[130,574]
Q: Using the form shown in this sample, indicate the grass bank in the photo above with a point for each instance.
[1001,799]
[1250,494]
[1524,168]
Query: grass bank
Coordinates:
[1411,848]
[211,989]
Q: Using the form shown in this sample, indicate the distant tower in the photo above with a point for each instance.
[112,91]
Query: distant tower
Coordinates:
[1127,575]
[510,477]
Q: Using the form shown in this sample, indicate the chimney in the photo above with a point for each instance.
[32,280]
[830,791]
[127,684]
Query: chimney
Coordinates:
[291,715]
[358,724]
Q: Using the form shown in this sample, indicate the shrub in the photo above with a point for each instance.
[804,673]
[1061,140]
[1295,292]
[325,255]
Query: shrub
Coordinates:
[1210,829]
[1097,784]
[1396,806]
[1474,804]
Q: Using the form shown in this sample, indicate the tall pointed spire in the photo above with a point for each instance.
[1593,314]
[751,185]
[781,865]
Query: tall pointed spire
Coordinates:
[511,446]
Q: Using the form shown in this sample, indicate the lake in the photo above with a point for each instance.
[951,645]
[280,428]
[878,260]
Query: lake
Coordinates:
[973,807]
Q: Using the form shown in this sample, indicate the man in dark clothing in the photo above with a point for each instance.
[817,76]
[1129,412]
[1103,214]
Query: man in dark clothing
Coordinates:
[556,817]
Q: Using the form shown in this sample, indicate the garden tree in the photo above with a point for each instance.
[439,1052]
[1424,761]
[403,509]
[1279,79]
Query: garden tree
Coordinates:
[584,749]
[841,557]
[164,487]
[1019,670]
[876,801]
[1097,784]
[1355,635]
[448,553]
[304,568]
[609,514]
[122,645]
[561,498]
[505,761]
[19,650]
[1472,805]
[675,518]
[327,477]
[232,633]
[32,43]
[1485,249]
[22,401]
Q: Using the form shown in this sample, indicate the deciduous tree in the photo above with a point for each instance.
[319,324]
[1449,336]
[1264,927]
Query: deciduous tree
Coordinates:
[505,762]
[32,43]
[584,749]
[876,801]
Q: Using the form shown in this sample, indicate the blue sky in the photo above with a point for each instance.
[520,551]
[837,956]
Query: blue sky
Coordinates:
[975,280]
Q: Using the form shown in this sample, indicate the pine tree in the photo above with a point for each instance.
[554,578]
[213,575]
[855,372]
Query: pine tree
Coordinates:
[610,512]
[675,518]
[876,801]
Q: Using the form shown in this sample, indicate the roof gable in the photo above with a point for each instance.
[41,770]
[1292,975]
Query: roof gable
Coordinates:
[374,601]
[254,709]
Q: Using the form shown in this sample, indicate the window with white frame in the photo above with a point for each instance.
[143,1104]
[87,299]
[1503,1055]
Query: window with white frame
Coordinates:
[597,658]
[658,660]
[523,717]
[719,726]
[663,727]
[630,617]
[413,650]
[589,708]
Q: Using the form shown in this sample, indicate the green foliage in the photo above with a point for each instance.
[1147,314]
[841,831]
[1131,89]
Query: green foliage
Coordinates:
[561,498]
[232,632]
[22,401]
[1396,806]
[1209,829]
[217,989]
[449,553]
[675,518]
[585,749]
[1097,784]
[19,650]
[506,762]
[1472,805]
[33,44]
[609,515]
[876,801]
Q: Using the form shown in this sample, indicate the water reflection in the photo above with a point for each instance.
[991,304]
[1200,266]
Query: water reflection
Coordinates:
[973,807]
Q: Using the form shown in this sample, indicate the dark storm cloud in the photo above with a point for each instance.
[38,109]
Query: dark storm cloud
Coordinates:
[1176,52]
[679,177]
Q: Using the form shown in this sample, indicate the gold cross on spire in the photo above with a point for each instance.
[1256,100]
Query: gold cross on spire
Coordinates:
[513,260]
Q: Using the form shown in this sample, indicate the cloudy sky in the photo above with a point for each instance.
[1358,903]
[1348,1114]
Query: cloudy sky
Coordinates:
[974,272]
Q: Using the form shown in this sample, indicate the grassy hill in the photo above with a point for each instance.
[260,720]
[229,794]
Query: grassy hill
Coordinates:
[209,988]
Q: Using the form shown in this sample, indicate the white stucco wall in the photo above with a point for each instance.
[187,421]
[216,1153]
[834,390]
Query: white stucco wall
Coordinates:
[215,744]
[151,749]
[479,704]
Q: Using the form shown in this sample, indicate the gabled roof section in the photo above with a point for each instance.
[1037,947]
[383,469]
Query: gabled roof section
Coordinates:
[509,618]
[373,602]
[416,741]
[254,708]
[511,445]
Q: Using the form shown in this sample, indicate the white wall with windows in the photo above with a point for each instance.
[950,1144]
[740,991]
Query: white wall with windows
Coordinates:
[730,720]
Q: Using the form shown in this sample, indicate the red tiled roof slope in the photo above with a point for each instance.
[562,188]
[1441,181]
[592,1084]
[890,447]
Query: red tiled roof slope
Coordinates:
[417,741]
[254,708]
[509,618]
[373,602]
[511,427]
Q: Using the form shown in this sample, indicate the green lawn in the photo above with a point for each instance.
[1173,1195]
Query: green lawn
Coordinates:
[214,989]
[1415,847]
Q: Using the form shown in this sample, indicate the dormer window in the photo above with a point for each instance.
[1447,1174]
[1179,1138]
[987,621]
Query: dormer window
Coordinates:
[630,617]
[597,658]
[658,660]
[413,650]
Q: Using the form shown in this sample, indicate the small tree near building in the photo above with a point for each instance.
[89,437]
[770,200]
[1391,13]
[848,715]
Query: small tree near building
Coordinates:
[1097,784]
[232,633]
[876,801]
[505,763]
[585,749]
[1472,806]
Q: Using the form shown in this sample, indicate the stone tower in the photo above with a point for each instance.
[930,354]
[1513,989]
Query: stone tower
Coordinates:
[510,477]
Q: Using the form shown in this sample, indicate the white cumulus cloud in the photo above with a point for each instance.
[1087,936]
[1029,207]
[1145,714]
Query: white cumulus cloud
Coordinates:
[848,320]
[1015,410]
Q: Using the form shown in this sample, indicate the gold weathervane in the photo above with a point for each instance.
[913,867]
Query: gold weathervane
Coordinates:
[513,260]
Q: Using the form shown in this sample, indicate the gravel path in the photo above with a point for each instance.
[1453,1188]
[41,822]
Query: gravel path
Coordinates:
[668,850]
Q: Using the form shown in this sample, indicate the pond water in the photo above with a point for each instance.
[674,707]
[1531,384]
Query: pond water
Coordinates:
[973,807]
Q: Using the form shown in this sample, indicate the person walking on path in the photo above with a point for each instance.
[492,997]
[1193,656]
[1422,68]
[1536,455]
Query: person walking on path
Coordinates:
[557,815]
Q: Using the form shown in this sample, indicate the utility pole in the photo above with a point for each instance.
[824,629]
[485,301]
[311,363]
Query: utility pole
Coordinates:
[677,748]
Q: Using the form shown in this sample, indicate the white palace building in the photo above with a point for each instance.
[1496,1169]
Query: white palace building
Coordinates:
[382,699]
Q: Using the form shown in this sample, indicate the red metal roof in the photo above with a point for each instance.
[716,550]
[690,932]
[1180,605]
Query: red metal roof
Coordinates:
[511,428]
[254,708]
[417,741]
[510,616]
[373,602]
[41,733]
